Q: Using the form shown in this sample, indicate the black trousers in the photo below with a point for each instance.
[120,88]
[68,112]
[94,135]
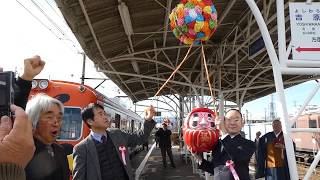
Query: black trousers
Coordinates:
[164,151]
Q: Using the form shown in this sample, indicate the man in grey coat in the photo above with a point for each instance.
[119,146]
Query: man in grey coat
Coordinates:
[104,153]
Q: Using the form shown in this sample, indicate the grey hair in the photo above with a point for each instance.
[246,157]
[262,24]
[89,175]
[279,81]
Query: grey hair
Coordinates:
[38,104]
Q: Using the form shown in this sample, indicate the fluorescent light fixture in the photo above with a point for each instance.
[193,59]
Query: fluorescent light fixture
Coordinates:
[125,18]
[135,66]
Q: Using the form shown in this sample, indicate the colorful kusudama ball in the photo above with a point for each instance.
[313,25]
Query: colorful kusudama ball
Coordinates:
[199,130]
[193,20]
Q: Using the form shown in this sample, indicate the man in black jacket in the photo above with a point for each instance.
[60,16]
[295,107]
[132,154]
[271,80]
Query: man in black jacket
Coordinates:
[164,136]
[233,149]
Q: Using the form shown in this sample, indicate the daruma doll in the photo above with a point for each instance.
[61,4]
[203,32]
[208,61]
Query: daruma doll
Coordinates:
[199,130]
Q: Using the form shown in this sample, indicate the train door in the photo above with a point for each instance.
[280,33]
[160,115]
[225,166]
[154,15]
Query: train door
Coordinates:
[117,120]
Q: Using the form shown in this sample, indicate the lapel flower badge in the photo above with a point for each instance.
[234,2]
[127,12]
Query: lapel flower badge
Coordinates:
[123,150]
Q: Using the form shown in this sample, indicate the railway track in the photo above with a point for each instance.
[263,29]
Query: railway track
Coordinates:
[302,170]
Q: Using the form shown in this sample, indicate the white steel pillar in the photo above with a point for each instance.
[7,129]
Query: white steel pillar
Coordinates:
[277,77]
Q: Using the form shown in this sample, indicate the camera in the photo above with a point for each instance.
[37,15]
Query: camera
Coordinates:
[7,83]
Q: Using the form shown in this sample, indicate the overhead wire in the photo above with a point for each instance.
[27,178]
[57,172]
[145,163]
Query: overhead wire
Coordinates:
[38,19]
[62,32]
[50,20]
[57,13]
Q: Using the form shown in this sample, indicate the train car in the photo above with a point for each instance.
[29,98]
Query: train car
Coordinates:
[307,143]
[75,96]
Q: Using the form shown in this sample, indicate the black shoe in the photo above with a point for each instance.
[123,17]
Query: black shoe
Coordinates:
[164,166]
[173,166]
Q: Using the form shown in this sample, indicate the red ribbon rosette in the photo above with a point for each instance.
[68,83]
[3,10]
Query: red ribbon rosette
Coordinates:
[123,150]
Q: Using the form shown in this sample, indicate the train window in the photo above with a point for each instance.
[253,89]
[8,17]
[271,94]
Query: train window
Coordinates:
[312,124]
[71,124]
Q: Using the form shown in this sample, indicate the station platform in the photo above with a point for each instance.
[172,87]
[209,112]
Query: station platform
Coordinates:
[147,165]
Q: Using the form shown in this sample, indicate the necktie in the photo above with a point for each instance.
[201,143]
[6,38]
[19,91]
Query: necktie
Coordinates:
[103,139]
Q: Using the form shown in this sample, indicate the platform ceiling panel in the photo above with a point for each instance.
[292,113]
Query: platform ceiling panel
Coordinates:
[139,63]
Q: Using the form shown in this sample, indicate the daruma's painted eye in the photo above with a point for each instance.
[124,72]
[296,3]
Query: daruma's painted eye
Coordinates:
[212,124]
[194,121]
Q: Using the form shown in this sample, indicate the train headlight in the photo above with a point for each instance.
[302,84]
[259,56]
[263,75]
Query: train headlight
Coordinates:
[34,84]
[43,84]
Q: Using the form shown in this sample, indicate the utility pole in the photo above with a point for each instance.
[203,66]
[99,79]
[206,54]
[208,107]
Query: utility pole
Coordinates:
[83,68]
[248,122]
[247,116]
[272,109]
[265,120]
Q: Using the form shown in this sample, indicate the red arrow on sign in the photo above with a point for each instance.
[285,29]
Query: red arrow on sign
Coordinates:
[299,49]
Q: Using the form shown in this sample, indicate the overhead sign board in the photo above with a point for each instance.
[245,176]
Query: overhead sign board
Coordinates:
[256,48]
[305,30]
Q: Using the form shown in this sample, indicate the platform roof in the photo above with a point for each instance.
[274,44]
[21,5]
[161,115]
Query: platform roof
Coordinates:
[141,62]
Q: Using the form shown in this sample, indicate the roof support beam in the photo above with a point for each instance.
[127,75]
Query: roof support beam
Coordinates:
[155,78]
[271,19]
[226,12]
[158,49]
[249,87]
[166,22]
[153,61]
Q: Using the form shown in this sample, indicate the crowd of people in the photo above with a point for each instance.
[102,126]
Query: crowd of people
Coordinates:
[29,150]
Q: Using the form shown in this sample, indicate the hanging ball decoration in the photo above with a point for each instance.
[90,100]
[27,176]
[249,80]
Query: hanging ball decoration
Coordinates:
[193,21]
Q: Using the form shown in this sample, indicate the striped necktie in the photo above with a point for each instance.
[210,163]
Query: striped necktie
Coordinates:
[103,139]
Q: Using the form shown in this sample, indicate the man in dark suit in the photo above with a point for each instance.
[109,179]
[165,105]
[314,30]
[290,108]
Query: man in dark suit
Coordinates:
[164,136]
[256,141]
[104,155]
[272,159]
[233,149]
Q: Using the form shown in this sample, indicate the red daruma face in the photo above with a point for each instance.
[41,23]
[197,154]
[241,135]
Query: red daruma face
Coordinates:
[199,130]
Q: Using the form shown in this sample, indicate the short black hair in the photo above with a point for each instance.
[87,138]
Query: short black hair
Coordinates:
[233,109]
[276,120]
[87,112]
